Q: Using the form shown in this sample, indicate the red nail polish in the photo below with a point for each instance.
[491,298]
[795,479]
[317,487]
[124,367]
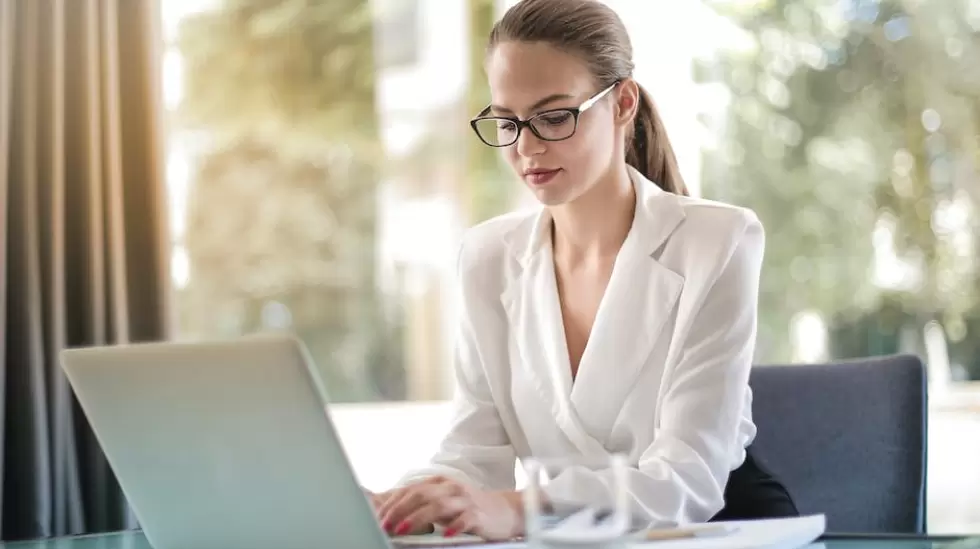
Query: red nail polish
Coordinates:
[449,533]
[403,528]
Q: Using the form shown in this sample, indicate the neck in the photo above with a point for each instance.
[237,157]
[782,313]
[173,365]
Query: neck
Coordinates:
[594,225]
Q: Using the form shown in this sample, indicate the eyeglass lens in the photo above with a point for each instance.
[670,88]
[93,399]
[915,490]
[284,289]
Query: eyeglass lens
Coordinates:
[550,126]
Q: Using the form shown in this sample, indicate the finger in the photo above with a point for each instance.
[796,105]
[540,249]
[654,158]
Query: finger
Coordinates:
[399,500]
[464,523]
[474,521]
[377,501]
[435,510]
[413,529]
[393,497]
[408,504]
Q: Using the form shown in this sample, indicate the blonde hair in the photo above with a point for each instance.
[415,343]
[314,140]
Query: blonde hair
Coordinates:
[594,33]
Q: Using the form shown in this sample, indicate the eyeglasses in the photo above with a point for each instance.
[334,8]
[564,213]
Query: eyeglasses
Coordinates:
[551,125]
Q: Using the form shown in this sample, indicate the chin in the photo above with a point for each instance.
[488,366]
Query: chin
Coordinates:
[555,195]
[551,199]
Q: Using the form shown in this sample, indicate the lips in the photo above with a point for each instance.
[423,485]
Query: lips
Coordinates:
[539,176]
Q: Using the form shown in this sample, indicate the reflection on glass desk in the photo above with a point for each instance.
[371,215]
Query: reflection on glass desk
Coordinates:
[136,540]
[897,542]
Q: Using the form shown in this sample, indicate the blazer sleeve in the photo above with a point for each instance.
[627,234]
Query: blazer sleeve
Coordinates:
[476,448]
[681,476]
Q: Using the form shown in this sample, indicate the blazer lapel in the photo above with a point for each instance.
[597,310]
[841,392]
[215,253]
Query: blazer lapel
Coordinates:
[530,301]
[637,303]
[534,313]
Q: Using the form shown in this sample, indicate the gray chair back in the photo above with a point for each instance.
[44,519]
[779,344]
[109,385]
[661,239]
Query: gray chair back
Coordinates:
[847,440]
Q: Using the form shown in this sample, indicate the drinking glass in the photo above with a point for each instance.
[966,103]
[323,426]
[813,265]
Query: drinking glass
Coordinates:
[566,506]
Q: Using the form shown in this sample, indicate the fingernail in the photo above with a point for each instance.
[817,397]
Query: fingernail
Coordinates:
[403,528]
[449,532]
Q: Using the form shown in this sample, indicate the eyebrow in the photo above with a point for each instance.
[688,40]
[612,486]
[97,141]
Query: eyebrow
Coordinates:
[550,99]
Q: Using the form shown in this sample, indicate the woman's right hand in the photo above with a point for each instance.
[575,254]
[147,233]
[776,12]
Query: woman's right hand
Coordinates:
[377,500]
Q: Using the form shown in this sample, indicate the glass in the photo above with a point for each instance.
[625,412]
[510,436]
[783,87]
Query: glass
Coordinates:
[323,189]
[870,198]
[325,201]
[550,125]
[561,511]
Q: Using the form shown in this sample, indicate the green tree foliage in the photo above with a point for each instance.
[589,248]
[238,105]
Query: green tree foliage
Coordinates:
[281,227]
[846,117]
[490,186]
[298,68]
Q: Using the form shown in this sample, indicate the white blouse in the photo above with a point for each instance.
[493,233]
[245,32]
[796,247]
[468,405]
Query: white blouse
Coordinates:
[664,376]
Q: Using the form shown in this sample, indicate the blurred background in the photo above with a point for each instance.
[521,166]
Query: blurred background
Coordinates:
[321,171]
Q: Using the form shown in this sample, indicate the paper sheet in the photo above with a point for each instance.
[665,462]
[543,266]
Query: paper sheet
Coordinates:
[791,533]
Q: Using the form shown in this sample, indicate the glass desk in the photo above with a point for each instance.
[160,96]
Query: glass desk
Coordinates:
[136,540]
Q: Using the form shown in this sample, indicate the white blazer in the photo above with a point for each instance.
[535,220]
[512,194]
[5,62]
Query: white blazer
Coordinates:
[664,376]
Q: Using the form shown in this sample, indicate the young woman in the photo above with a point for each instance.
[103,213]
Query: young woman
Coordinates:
[620,318]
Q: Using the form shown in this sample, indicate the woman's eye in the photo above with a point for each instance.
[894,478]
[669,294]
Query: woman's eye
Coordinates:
[556,119]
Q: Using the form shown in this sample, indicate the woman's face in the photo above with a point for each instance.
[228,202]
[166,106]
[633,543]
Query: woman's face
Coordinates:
[531,78]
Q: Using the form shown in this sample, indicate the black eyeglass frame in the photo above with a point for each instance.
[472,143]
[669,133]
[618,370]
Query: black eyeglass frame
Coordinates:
[576,112]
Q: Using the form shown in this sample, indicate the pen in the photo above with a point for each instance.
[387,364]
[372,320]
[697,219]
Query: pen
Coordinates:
[709,531]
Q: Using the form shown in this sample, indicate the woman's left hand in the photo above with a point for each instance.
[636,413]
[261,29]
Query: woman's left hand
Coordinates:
[460,508]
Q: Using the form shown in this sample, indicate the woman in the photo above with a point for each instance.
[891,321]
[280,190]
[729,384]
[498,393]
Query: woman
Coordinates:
[621,317]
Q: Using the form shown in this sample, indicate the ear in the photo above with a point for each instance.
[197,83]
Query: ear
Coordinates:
[627,102]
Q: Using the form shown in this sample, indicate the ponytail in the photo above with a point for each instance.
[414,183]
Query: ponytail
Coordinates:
[649,151]
[593,32]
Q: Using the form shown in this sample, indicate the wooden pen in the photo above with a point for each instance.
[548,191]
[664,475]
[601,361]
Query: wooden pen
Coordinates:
[709,531]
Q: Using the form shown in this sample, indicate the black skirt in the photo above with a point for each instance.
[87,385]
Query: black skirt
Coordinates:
[753,493]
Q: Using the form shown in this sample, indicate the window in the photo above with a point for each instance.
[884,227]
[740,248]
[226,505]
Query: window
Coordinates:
[321,172]
[397,36]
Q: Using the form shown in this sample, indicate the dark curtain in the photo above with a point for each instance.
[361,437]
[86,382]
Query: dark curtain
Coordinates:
[83,242]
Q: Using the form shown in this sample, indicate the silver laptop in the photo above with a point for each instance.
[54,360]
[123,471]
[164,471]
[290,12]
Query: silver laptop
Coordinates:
[224,445]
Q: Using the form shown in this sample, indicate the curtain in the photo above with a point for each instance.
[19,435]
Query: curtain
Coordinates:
[83,242]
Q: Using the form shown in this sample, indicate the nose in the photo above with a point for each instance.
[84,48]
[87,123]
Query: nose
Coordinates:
[529,144]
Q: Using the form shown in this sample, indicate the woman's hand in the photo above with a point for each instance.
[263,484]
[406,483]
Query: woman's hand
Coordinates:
[459,507]
[377,500]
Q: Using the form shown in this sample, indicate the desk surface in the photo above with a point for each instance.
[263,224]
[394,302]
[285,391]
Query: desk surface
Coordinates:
[136,540]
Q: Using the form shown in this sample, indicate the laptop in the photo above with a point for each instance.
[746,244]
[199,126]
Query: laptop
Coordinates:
[224,444]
